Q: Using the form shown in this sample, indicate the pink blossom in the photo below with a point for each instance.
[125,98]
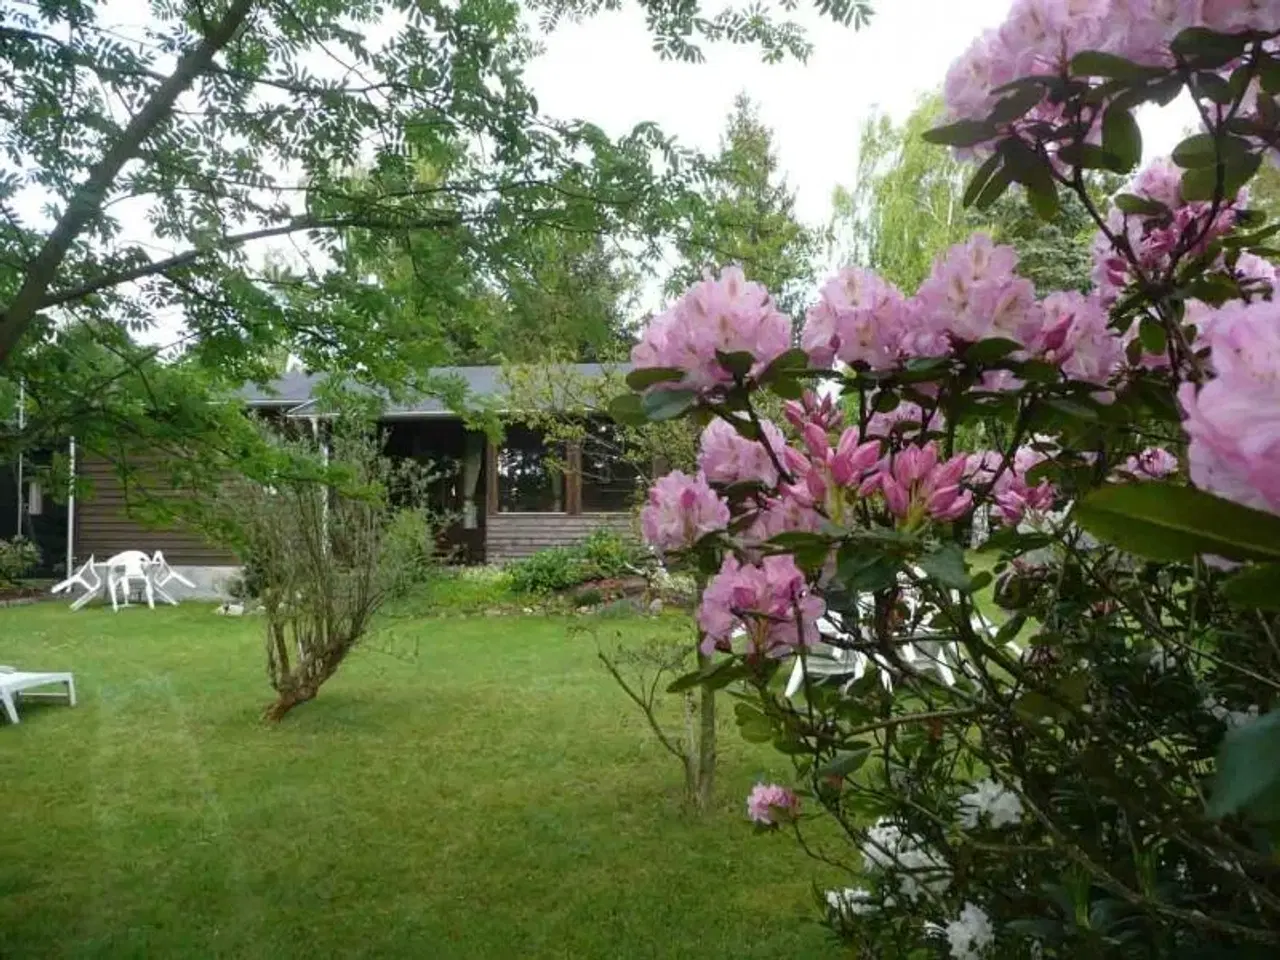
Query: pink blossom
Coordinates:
[880,426]
[769,804]
[765,600]
[1077,337]
[915,486]
[1153,463]
[729,315]
[726,456]
[1234,420]
[824,411]
[1141,30]
[783,514]
[1011,493]
[859,319]
[681,511]
[1236,16]
[975,294]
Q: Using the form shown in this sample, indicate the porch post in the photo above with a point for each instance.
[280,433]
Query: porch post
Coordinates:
[71,506]
[491,478]
[573,479]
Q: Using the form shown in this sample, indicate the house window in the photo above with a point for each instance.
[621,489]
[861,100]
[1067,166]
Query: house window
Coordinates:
[530,474]
[609,479]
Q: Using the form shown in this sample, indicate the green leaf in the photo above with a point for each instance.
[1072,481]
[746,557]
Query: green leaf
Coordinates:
[947,567]
[1248,778]
[718,677]
[1152,334]
[1016,105]
[1167,522]
[1269,73]
[980,180]
[1206,48]
[1202,183]
[1211,86]
[864,570]
[627,410]
[667,404]
[1122,138]
[809,549]
[1204,150]
[1032,170]
[1090,156]
[646,377]
[1135,205]
[1255,587]
[739,363]
[794,360]
[964,133]
[753,725]
[994,189]
[845,763]
[1095,63]
[990,350]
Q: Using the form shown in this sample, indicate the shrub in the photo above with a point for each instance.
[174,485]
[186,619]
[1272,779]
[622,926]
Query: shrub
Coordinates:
[548,571]
[608,554]
[18,556]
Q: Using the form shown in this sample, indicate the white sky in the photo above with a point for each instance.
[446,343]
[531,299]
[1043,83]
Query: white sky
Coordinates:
[604,70]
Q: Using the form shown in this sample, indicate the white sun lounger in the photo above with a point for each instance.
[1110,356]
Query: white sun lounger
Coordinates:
[13,681]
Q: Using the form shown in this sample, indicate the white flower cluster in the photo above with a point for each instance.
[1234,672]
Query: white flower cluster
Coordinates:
[851,902]
[970,934]
[991,801]
[916,867]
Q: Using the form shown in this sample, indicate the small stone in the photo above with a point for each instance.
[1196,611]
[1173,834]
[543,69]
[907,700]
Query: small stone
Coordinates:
[655,606]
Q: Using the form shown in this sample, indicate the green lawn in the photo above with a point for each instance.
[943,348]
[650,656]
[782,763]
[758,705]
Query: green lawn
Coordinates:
[484,793]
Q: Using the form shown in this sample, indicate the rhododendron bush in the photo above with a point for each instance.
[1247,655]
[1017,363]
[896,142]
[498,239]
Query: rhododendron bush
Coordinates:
[1003,580]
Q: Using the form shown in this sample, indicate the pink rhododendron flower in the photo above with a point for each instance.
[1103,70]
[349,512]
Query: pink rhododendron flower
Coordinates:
[770,601]
[1236,16]
[726,456]
[974,294]
[1153,463]
[824,474]
[1077,336]
[1012,495]
[681,511]
[859,319]
[770,804]
[824,411]
[1141,30]
[728,314]
[784,514]
[915,486]
[1233,421]
[880,426]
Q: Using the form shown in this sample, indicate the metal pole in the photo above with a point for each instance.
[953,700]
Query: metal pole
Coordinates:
[22,425]
[71,508]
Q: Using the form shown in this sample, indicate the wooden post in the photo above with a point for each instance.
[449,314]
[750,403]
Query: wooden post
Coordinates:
[573,479]
[490,478]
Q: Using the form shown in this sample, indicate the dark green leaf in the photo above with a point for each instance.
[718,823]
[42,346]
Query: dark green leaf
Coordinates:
[1211,86]
[1204,150]
[1202,183]
[1248,778]
[627,410]
[1269,72]
[1090,156]
[739,363]
[1122,138]
[794,360]
[1151,333]
[1167,522]
[946,566]
[646,377]
[982,178]
[965,133]
[1206,48]
[1131,203]
[667,404]
[753,725]
[994,190]
[991,350]
[845,763]
[864,570]
[1016,105]
[1095,63]
[1257,587]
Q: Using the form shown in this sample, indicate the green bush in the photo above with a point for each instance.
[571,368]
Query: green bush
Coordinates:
[17,557]
[609,554]
[550,570]
[462,590]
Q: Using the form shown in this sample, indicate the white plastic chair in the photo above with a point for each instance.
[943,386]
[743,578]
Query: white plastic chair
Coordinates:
[161,574]
[123,569]
[13,681]
[87,577]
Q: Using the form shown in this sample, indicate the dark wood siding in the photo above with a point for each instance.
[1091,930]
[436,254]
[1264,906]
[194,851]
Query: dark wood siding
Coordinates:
[510,536]
[105,526]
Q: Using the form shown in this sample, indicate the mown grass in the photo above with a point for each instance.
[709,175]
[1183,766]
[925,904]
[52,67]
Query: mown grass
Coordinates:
[483,793]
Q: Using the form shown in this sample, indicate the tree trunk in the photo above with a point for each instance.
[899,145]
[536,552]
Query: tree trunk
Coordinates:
[690,743]
[706,742]
[287,700]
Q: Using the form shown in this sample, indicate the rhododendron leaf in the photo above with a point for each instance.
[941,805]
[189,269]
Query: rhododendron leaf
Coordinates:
[667,404]
[994,190]
[1016,105]
[1257,587]
[718,677]
[865,571]
[792,361]
[753,725]
[991,350]
[1151,333]
[1133,204]
[1167,522]
[1034,705]
[646,377]
[739,363]
[1206,48]
[1201,183]
[1269,73]
[627,410]
[1204,150]
[1122,138]
[1211,86]
[1089,156]
[978,182]
[1030,169]
[846,762]
[1248,777]
[964,133]
[1095,63]
[947,567]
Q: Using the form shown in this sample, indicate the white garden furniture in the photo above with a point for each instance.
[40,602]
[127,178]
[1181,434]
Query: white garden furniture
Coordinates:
[118,575]
[14,681]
